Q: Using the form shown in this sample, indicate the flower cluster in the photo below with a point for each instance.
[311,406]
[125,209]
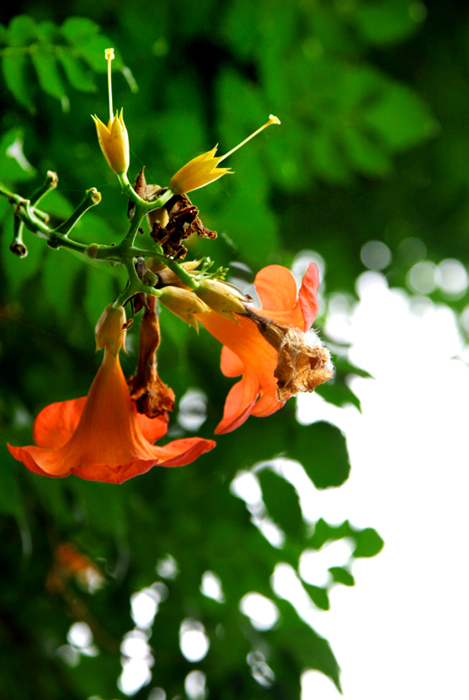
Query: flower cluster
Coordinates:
[110,434]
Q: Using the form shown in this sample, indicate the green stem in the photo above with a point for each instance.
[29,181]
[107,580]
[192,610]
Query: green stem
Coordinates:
[50,183]
[135,286]
[145,206]
[92,198]
[185,277]
[17,246]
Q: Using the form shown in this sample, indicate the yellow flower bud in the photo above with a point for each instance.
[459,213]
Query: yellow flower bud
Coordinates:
[223,298]
[114,142]
[113,138]
[110,329]
[203,169]
[183,303]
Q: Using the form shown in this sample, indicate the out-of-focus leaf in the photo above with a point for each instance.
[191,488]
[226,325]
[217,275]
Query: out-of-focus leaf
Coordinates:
[341,575]
[77,76]
[21,31]
[312,651]
[369,543]
[323,532]
[49,77]
[384,22]
[338,393]
[319,596]
[47,32]
[15,66]
[400,118]
[322,450]
[282,503]
[364,155]
[79,30]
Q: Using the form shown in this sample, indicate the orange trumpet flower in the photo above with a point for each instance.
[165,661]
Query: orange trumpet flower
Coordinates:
[101,437]
[269,346]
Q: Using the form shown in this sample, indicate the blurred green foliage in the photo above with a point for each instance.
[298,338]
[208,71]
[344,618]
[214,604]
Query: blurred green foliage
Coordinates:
[372,146]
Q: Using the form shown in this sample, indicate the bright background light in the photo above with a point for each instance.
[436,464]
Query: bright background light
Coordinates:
[401,632]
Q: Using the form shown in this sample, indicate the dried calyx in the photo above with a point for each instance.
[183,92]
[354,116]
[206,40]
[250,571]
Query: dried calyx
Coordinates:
[303,362]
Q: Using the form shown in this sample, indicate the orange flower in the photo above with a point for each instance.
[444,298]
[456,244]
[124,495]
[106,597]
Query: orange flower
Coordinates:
[102,437]
[248,348]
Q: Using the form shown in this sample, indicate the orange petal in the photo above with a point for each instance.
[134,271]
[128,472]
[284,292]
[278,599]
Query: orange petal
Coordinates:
[152,429]
[22,455]
[230,364]
[239,403]
[267,403]
[56,423]
[181,452]
[308,297]
[276,288]
[175,454]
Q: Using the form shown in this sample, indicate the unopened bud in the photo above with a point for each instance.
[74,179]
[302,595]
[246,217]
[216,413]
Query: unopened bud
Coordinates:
[223,298]
[110,329]
[167,276]
[183,303]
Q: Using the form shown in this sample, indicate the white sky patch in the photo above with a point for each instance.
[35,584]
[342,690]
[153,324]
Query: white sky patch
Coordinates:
[194,685]
[144,606]
[16,152]
[315,564]
[262,612]
[404,624]
[211,586]
[193,641]
[167,567]
[80,635]
[192,409]
[135,674]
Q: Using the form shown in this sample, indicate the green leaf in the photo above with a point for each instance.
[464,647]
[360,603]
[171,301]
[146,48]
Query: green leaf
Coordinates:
[79,30]
[77,76]
[282,503]
[341,575]
[384,22]
[92,51]
[306,646]
[323,532]
[337,392]
[322,450]
[369,543]
[49,77]
[364,155]
[318,595]
[400,119]
[15,66]
[48,33]
[21,31]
